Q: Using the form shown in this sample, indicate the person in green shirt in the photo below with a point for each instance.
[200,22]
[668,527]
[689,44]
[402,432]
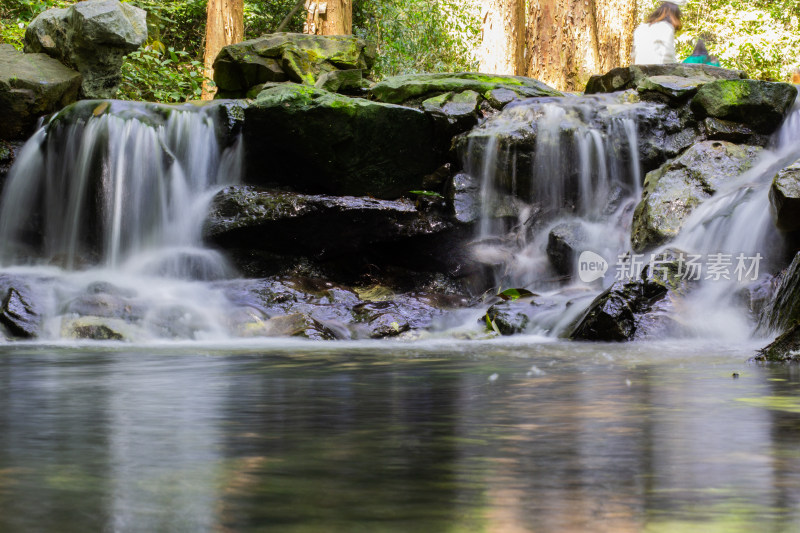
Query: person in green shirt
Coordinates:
[700,55]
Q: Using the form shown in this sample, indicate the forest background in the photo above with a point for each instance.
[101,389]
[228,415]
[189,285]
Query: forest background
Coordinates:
[760,37]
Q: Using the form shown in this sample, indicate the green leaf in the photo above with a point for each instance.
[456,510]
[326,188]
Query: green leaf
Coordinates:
[515,294]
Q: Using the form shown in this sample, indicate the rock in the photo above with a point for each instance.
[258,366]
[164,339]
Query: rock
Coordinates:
[673,191]
[761,105]
[313,225]
[671,88]
[508,317]
[93,37]
[31,85]
[564,243]
[19,315]
[334,62]
[784,311]
[320,142]
[627,310]
[725,130]
[784,349]
[106,306]
[98,329]
[464,196]
[418,87]
[622,78]
[454,113]
[8,154]
[784,198]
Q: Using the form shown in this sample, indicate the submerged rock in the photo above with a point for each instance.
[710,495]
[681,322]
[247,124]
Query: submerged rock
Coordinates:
[784,198]
[759,104]
[320,142]
[673,191]
[98,329]
[93,37]
[31,85]
[333,62]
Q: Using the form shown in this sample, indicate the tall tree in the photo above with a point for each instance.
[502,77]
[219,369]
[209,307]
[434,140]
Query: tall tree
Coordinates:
[224,26]
[330,17]
[569,40]
[502,49]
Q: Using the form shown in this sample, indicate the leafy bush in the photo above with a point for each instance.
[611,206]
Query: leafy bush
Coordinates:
[161,75]
[419,35]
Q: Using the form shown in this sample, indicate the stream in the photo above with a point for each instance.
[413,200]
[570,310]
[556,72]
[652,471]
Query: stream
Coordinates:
[512,435]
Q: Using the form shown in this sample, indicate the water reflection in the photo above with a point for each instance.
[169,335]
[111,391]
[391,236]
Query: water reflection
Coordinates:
[486,438]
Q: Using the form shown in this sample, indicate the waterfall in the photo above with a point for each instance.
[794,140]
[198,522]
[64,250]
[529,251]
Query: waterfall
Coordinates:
[127,189]
[562,162]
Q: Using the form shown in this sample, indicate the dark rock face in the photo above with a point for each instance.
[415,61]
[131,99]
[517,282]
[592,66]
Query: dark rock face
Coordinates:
[620,79]
[510,318]
[333,63]
[784,197]
[761,105]
[564,244]
[320,142]
[673,191]
[19,315]
[784,311]
[31,85]
[784,349]
[92,37]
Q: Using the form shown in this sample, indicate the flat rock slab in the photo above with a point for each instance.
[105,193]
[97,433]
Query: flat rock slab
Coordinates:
[623,78]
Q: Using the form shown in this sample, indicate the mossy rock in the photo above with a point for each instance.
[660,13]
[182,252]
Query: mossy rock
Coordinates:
[673,191]
[761,105]
[320,142]
[417,87]
[31,85]
[632,77]
[295,57]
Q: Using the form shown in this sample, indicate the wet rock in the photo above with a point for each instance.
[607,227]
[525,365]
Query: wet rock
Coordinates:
[627,310]
[93,37]
[31,85]
[622,78]
[671,88]
[735,132]
[454,112]
[509,318]
[784,311]
[464,196]
[178,322]
[19,315]
[335,62]
[673,191]
[759,104]
[418,87]
[784,198]
[784,349]
[315,141]
[564,243]
[105,305]
[98,329]
[313,225]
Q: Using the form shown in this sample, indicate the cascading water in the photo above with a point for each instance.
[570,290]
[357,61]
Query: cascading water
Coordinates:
[116,197]
[569,168]
[561,166]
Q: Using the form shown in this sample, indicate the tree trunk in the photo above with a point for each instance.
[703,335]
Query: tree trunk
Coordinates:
[329,17]
[502,49]
[224,26]
[570,40]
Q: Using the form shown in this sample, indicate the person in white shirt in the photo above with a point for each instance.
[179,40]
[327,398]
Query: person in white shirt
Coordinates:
[654,41]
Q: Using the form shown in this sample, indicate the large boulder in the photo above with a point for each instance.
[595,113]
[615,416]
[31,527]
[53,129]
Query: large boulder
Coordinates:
[22,306]
[759,104]
[297,57]
[673,191]
[313,225]
[665,79]
[784,197]
[93,37]
[320,142]
[31,85]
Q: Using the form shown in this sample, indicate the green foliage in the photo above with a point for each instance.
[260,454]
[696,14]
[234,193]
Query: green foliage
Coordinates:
[514,294]
[413,36]
[161,76]
[16,14]
[760,37]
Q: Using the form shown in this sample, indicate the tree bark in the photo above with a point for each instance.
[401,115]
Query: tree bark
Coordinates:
[224,26]
[329,17]
[570,40]
[502,49]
